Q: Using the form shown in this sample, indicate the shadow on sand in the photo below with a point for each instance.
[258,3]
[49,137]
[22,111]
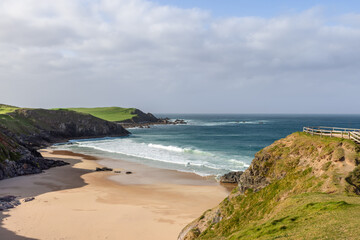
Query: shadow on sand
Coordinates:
[66,177]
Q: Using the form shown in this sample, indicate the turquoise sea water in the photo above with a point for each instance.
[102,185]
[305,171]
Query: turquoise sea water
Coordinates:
[209,144]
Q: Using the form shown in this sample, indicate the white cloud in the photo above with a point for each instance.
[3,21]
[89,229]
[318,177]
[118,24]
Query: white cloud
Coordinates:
[167,59]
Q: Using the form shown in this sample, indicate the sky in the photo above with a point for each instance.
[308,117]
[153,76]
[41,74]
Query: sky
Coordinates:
[182,56]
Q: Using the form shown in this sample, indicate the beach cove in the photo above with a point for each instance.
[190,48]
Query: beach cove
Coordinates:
[75,202]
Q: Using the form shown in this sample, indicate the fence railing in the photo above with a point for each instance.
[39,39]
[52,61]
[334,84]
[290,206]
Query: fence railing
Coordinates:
[347,133]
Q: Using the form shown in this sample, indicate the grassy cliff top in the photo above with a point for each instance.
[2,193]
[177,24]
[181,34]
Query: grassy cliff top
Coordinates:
[113,114]
[13,118]
[311,192]
[4,109]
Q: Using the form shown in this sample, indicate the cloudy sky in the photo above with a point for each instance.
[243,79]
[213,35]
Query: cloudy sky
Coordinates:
[198,56]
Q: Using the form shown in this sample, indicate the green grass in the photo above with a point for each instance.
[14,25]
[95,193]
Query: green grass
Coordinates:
[4,109]
[13,122]
[17,124]
[309,216]
[113,114]
[299,204]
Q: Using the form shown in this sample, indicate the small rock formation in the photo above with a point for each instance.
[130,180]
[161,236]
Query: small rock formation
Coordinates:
[27,164]
[8,202]
[145,120]
[231,177]
[29,199]
[180,121]
[103,169]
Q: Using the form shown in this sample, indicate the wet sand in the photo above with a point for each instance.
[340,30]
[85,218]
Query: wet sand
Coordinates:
[74,202]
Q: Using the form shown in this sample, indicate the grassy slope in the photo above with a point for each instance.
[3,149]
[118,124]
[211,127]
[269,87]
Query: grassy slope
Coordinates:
[312,201]
[113,114]
[20,125]
[7,148]
[14,123]
[7,108]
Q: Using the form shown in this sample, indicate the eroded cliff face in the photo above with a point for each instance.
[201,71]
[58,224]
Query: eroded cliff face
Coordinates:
[48,126]
[25,130]
[142,117]
[324,168]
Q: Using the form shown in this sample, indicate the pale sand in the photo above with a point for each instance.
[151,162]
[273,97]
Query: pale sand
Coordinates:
[74,202]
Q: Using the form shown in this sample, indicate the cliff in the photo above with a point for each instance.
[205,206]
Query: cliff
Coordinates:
[300,187]
[141,117]
[117,114]
[22,131]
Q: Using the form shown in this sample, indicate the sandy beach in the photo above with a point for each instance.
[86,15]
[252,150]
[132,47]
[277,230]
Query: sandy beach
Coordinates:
[75,202]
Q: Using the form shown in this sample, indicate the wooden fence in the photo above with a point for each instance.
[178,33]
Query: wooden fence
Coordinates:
[347,133]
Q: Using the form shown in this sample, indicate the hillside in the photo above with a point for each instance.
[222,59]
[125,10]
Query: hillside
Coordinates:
[113,114]
[4,109]
[116,114]
[300,187]
[23,131]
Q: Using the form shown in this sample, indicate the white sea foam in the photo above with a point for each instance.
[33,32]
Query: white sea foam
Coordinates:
[173,157]
[169,148]
[224,123]
[179,149]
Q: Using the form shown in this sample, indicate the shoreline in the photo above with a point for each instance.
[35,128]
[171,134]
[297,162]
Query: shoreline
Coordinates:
[165,121]
[149,204]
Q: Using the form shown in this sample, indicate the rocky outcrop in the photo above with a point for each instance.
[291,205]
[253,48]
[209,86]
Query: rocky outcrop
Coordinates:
[255,177]
[8,202]
[23,131]
[50,126]
[18,160]
[231,177]
[27,165]
[141,117]
[103,169]
[145,120]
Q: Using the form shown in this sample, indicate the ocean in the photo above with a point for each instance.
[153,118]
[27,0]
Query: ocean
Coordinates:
[210,144]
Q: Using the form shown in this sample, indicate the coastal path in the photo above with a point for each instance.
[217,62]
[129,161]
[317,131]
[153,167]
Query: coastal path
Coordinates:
[347,133]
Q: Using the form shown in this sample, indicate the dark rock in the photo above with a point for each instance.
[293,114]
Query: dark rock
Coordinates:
[27,164]
[144,120]
[29,199]
[8,202]
[141,117]
[103,169]
[180,121]
[231,177]
[7,198]
[254,177]
[128,172]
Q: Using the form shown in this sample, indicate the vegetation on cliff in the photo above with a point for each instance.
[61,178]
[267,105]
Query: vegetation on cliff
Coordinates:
[7,108]
[300,187]
[112,114]
[23,130]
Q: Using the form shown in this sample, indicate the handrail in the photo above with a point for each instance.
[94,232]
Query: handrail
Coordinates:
[347,133]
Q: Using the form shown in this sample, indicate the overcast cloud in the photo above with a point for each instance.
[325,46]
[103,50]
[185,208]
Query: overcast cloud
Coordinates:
[165,59]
